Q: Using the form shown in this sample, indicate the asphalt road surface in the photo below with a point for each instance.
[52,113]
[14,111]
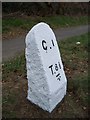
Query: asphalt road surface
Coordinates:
[15,46]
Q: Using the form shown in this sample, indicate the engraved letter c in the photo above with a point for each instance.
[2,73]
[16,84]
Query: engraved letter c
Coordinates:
[44,45]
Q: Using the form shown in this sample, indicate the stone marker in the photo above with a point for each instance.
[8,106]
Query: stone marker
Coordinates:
[46,78]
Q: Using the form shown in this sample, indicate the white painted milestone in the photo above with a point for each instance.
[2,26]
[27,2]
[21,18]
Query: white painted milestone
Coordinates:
[47,82]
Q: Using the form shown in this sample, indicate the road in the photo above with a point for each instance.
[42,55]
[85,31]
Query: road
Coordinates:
[14,46]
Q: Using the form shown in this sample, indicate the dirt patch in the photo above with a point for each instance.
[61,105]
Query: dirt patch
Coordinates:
[16,105]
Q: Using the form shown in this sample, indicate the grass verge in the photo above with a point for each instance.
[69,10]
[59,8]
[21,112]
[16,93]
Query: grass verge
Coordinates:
[75,103]
[54,21]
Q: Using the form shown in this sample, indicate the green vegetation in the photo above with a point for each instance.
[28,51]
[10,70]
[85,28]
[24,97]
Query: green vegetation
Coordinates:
[54,21]
[75,58]
[74,105]
[15,65]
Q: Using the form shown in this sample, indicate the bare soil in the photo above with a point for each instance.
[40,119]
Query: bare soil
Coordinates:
[16,105]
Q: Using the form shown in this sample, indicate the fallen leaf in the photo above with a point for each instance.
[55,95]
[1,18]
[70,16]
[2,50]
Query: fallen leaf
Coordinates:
[84,108]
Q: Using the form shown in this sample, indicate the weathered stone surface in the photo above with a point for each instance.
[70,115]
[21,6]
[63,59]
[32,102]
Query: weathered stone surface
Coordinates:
[46,78]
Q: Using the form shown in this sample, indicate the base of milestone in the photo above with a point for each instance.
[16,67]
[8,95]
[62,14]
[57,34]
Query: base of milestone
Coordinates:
[48,102]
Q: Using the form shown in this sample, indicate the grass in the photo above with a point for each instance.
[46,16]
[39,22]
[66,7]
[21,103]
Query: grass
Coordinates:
[75,103]
[54,21]
[76,65]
